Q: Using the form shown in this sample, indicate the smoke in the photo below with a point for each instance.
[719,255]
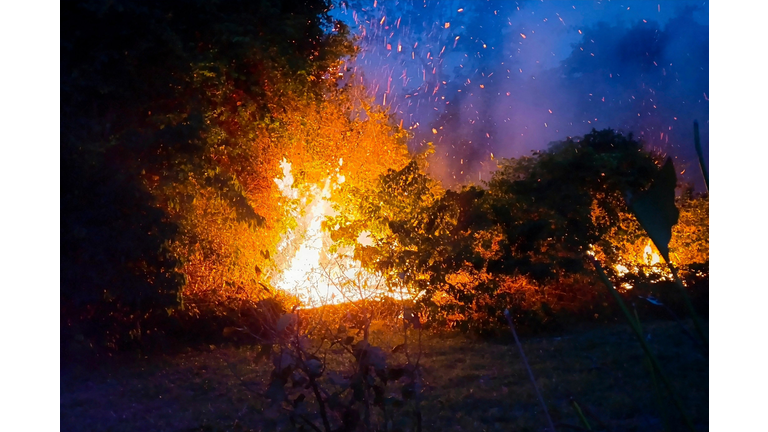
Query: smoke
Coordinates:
[503,78]
[644,79]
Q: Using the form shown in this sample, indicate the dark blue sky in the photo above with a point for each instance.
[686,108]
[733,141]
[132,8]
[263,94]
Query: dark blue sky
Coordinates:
[508,77]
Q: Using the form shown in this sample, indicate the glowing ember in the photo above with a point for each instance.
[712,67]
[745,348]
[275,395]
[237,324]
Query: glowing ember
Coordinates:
[307,268]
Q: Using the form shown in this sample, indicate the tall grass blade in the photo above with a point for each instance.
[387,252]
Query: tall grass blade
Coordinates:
[674,316]
[580,414]
[528,367]
[656,389]
[639,334]
[657,213]
[697,144]
[655,208]
[689,305]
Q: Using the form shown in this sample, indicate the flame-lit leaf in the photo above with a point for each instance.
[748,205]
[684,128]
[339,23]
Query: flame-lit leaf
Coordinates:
[655,208]
[230,332]
[412,318]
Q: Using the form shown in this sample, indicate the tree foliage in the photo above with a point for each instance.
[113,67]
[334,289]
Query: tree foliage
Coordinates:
[521,240]
[175,117]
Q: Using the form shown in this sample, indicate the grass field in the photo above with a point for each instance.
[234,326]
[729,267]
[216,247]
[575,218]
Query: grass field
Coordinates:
[470,385]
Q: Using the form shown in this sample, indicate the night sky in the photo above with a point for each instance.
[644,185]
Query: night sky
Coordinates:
[490,79]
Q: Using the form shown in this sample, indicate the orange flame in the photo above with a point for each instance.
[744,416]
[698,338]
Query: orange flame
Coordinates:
[306,266]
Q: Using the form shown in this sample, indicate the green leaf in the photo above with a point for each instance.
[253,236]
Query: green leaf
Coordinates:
[655,208]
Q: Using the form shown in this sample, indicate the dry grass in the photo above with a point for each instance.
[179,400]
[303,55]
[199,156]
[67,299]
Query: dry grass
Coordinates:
[471,385]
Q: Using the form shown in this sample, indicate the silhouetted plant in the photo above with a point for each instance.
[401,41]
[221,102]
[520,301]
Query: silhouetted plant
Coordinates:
[327,379]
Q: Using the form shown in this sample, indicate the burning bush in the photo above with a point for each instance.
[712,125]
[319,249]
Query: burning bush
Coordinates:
[173,130]
[467,255]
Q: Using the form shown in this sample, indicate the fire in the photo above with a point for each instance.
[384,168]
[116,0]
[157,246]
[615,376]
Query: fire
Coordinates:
[652,262]
[306,266]
[651,258]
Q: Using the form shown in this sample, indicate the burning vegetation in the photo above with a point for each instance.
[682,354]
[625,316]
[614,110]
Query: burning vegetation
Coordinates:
[308,266]
[270,173]
[228,177]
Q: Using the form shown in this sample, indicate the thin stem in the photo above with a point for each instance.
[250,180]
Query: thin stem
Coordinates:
[689,305]
[641,339]
[700,153]
[309,423]
[300,354]
[684,329]
[528,367]
[656,389]
[580,414]
[321,404]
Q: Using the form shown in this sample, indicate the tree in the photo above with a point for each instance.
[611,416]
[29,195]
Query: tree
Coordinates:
[167,109]
[470,253]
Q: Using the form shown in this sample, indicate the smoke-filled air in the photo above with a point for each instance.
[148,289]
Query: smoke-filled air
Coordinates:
[384,215]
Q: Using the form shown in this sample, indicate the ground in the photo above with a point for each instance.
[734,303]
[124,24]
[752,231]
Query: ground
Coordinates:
[471,384]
